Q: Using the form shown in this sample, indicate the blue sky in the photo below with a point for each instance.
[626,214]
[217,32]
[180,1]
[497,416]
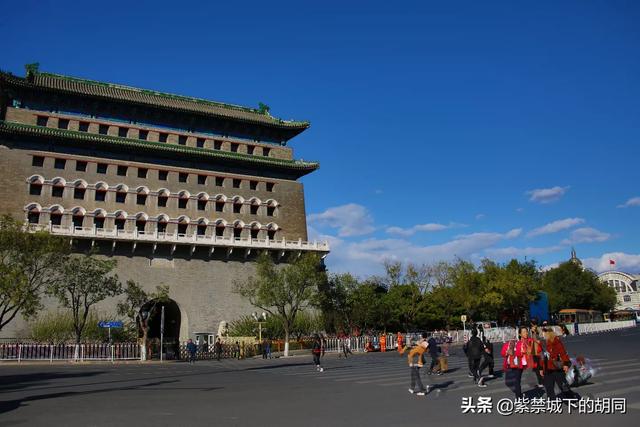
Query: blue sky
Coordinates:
[472,129]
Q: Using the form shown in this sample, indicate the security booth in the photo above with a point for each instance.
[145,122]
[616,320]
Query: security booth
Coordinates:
[203,340]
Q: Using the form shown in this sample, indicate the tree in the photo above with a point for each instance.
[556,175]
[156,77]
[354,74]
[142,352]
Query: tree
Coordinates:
[83,282]
[136,299]
[571,286]
[284,290]
[28,265]
[335,302]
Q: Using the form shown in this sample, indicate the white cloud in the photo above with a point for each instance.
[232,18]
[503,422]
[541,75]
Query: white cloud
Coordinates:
[555,226]
[628,263]
[365,258]
[547,195]
[350,220]
[480,216]
[634,201]
[586,235]
[430,227]
[520,210]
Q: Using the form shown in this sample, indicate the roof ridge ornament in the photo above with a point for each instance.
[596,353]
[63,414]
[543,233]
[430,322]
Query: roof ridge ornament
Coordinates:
[32,69]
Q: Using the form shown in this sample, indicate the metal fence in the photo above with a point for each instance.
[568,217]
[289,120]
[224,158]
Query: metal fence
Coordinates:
[70,352]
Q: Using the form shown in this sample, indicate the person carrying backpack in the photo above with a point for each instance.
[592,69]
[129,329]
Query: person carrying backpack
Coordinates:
[487,361]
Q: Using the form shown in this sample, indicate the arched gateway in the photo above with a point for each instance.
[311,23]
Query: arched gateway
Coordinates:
[172,321]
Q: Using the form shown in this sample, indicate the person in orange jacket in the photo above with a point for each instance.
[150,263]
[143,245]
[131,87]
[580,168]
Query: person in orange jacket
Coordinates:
[415,366]
[556,365]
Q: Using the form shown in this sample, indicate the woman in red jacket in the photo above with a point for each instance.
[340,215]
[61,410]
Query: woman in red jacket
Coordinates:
[517,357]
[555,366]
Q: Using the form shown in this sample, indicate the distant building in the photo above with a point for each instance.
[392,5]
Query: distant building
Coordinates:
[180,191]
[626,287]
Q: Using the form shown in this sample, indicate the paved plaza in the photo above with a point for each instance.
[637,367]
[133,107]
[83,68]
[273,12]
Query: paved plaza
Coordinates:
[369,389]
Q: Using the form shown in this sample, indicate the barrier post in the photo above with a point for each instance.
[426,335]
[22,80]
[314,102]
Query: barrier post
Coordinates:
[19,352]
[51,353]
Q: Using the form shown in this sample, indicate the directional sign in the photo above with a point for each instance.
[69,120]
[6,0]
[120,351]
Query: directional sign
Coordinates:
[116,324]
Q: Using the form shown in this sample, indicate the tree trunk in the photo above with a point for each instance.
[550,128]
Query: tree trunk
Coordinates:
[286,342]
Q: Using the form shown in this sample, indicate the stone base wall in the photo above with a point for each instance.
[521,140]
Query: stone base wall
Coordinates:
[203,289]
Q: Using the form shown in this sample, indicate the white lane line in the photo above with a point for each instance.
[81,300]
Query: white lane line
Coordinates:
[619,391]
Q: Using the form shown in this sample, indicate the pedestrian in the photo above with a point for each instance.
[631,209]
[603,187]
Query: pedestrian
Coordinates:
[432,347]
[487,361]
[415,365]
[555,366]
[218,349]
[264,348]
[475,349]
[269,349]
[536,351]
[316,351]
[236,350]
[444,357]
[191,350]
[515,361]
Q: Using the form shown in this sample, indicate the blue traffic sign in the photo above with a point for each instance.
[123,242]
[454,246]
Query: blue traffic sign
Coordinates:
[116,324]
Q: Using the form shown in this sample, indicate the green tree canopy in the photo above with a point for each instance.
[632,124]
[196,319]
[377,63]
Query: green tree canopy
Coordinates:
[570,286]
[83,282]
[285,290]
[29,263]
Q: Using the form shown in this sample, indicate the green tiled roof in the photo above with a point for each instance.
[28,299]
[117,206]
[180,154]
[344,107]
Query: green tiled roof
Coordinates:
[30,130]
[150,98]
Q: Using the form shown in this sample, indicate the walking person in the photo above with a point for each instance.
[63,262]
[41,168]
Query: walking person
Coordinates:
[236,350]
[316,351]
[432,348]
[416,353]
[192,348]
[514,353]
[555,366]
[269,349]
[218,349]
[264,348]
[487,361]
[536,351]
[475,348]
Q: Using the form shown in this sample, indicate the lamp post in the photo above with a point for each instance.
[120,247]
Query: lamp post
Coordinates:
[260,320]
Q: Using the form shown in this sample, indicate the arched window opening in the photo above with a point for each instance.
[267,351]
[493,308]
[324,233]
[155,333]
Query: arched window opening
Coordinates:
[202,202]
[255,231]
[141,196]
[162,224]
[183,200]
[237,230]
[78,218]
[220,227]
[237,206]
[35,187]
[55,217]
[33,216]
[627,298]
[121,221]
[101,193]
[183,226]
[79,190]
[255,207]
[98,220]
[163,198]
[141,223]
[121,195]
[219,205]
[57,190]
[201,228]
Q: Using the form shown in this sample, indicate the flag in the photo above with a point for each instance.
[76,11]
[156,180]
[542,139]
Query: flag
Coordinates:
[612,262]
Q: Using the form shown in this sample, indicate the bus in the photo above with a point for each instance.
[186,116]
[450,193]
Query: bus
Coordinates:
[579,315]
[619,315]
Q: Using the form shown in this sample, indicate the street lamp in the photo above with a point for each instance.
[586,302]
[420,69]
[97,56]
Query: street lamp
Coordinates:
[260,320]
